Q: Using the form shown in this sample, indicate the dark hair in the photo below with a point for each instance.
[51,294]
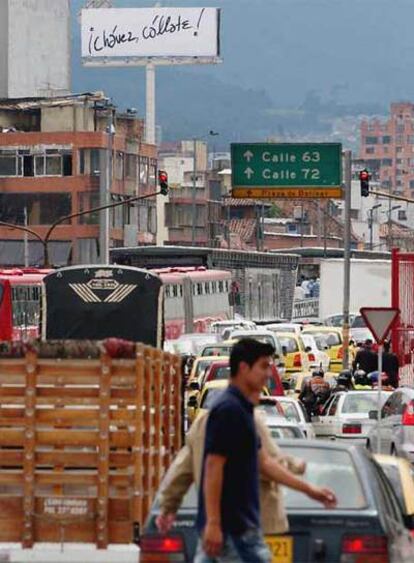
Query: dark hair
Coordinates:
[248,350]
[387,346]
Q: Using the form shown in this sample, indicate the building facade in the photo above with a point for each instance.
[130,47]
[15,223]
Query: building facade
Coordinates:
[56,160]
[387,149]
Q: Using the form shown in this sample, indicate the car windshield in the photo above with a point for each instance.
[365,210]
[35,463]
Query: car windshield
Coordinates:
[222,372]
[209,398]
[201,367]
[285,432]
[290,344]
[290,410]
[216,351]
[331,338]
[326,467]
[336,320]
[359,322]
[360,403]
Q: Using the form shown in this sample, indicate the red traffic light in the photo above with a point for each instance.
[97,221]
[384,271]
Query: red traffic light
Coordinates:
[163,177]
[364,175]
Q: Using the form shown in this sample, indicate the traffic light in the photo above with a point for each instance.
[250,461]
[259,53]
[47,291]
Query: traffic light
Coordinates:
[163,181]
[364,177]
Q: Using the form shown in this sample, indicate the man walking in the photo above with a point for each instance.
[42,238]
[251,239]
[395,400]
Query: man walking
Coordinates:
[366,359]
[390,365]
[228,517]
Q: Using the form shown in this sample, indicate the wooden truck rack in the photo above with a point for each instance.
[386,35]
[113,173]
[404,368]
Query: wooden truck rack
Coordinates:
[84,444]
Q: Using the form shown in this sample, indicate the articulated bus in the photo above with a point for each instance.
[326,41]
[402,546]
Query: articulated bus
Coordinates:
[193,298]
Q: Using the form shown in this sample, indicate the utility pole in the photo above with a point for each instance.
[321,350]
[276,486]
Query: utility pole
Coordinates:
[105,189]
[347,163]
[193,194]
[26,240]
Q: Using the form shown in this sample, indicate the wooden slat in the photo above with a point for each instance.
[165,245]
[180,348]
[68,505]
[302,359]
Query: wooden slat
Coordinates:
[29,449]
[103,454]
[148,423]
[137,498]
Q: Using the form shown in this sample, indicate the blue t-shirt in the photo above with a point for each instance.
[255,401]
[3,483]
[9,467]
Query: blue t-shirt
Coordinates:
[231,433]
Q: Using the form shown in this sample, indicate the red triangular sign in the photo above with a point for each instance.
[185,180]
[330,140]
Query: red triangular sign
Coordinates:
[379,320]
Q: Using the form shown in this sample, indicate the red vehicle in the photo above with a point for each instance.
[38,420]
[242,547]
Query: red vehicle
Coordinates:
[20,303]
[221,370]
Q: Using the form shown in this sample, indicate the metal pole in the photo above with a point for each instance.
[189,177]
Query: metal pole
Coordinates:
[263,227]
[370,225]
[347,254]
[301,225]
[105,195]
[26,240]
[380,347]
[193,194]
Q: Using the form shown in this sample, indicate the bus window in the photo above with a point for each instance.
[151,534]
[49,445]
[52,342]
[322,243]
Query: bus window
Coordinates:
[26,305]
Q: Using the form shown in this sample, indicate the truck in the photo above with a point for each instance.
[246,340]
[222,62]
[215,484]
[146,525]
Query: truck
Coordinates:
[370,284]
[87,431]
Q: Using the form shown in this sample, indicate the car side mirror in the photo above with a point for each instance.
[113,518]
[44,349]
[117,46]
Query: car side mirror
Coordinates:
[373,415]
[192,402]
[194,386]
[308,349]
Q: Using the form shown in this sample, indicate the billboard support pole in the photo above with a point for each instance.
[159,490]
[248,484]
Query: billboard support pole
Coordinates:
[347,254]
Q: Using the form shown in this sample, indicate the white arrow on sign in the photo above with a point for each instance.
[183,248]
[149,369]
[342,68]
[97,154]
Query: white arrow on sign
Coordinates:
[248,155]
[249,172]
[379,320]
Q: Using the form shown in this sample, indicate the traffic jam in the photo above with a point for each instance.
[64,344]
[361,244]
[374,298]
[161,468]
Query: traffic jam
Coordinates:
[348,432]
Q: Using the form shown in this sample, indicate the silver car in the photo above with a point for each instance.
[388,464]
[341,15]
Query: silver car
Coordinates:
[279,426]
[345,416]
[396,426]
[294,411]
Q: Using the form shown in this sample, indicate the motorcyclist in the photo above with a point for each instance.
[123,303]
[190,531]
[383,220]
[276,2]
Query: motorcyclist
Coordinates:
[343,382]
[361,381]
[315,392]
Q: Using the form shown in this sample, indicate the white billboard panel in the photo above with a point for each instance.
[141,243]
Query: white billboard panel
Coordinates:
[150,32]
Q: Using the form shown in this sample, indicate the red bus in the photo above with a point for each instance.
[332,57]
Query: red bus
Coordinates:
[20,292]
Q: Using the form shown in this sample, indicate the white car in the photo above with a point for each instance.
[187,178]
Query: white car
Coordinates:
[316,346]
[345,416]
[279,426]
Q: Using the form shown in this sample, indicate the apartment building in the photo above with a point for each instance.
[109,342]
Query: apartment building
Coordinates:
[387,149]
[57,157]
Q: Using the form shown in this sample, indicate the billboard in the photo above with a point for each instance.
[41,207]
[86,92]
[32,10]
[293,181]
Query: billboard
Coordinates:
[150,32]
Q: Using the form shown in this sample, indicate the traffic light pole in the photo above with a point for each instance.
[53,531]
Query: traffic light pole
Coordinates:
[347,164]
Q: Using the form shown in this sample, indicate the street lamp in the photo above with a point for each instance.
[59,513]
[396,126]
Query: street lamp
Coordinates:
[211,133]
[370,224]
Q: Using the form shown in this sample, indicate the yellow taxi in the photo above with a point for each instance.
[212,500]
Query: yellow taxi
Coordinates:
[333,338]
[201,363]
[399,472]
[207,396]
[296,359]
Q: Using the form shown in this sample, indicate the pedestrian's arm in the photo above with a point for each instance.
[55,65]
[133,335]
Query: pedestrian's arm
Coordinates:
[212,486]
[274,471]
[176,483]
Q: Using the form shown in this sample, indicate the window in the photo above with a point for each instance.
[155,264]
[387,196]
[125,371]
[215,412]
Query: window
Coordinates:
[399,149]
[89,200]
[371,140]
[119,165]
[387,184]
[410,139]
[42,208]
[152,174]
[399,160]
[143,170]
[402,215]
[411,184]
[370,150]
[8,164]
[386,139]
[52,163]
[386,162]
[131,166]
[334,406]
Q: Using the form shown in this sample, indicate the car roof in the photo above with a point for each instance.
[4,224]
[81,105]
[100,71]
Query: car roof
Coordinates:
[322,329]
[287,335]
[405,471]
[216,384]
[220,363]
[210,359]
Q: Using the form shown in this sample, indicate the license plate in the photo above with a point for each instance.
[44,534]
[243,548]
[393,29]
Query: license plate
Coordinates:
[281,548]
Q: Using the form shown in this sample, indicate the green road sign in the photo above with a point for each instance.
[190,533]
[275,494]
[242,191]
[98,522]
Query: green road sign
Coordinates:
[286,170]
